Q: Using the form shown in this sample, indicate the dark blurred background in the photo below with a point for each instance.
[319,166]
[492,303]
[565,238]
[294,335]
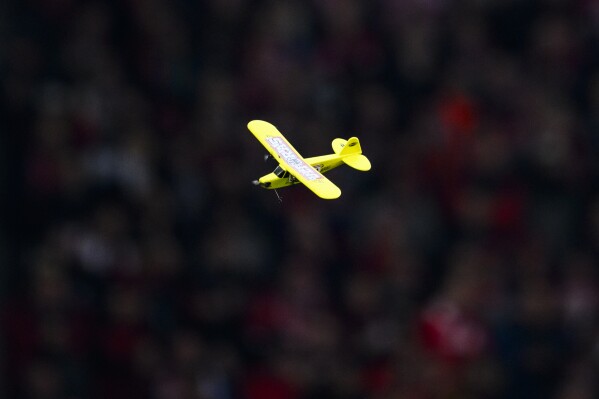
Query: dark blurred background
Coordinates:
[138,261]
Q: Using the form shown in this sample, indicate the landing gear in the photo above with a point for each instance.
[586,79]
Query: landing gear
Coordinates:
[278,196]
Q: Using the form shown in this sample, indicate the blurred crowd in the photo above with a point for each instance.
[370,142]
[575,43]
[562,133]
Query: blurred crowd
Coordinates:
[463,265]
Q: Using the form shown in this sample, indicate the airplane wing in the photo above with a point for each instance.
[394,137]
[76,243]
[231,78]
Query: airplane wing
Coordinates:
[292,161]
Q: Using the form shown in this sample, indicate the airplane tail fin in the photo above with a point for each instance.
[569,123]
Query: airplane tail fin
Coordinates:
[351,152]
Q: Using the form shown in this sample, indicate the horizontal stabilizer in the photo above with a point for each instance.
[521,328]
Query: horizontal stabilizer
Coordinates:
[358,161]
[338,145]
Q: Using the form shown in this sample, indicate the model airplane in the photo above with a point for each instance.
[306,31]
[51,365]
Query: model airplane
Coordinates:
[293,168]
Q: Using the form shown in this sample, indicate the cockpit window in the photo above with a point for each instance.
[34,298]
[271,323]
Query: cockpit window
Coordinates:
[280,172]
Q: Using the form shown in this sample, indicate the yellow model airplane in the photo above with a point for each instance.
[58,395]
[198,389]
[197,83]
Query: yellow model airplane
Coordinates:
[293,168]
